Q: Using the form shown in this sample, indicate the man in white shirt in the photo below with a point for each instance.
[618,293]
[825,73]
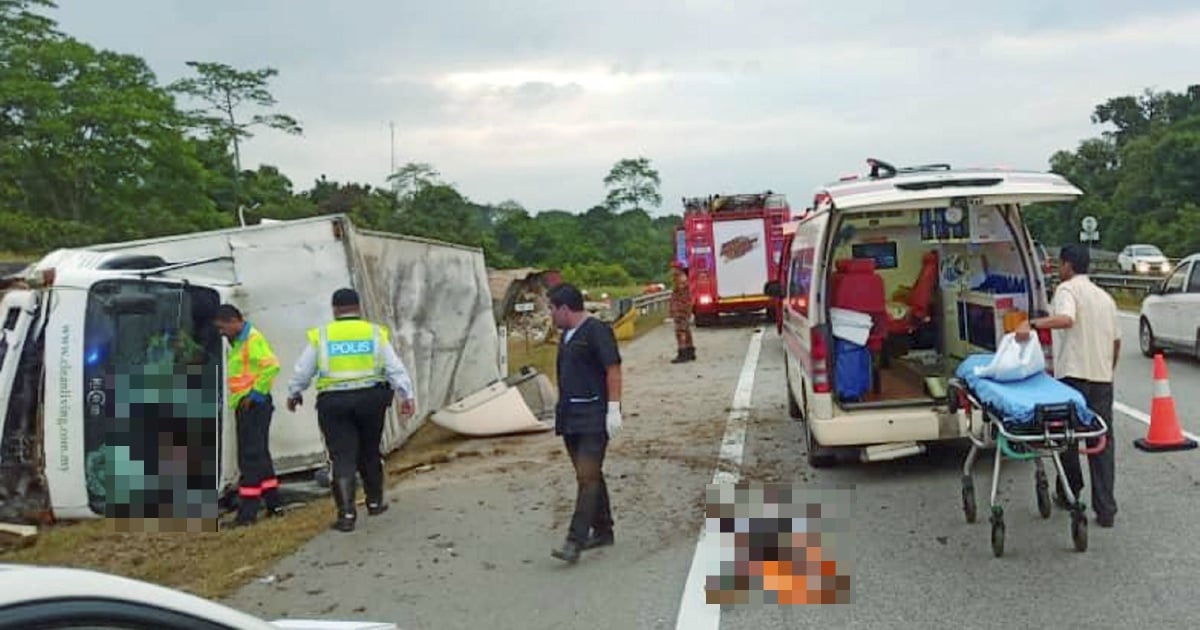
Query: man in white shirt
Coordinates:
[1087,342]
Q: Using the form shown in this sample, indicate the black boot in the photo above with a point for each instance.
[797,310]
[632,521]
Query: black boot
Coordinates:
[690,354]
[343,496]
[247,511]
[680,356]
[273,502]
[376,504]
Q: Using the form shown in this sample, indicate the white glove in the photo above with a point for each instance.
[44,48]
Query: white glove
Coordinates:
[613,420]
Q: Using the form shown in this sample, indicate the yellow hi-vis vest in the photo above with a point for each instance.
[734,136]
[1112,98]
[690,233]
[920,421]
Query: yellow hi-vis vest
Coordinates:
[349,354]
[251,365]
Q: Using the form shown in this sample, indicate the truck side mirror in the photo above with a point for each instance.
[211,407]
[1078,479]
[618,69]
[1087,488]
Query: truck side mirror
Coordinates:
[772,289]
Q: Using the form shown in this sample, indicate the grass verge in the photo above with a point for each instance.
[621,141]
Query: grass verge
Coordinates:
[1128,300]
[542,355]
[24,257]
[213,565]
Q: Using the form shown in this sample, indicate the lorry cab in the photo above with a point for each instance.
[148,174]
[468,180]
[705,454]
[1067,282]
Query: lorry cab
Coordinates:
[889,282]
[131,351]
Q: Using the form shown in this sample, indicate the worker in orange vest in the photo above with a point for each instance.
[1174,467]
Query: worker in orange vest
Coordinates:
[252,367]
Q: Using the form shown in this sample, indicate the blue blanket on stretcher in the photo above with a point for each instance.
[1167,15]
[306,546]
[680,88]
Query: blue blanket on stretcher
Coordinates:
[1018,400]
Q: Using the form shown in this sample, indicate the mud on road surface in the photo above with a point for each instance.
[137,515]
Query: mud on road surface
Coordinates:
[467,541]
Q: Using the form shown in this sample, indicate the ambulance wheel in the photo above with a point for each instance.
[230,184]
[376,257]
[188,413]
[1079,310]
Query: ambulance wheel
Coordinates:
[1043,495]
[816,455]
[794,410]
[1079,532]
[968,499]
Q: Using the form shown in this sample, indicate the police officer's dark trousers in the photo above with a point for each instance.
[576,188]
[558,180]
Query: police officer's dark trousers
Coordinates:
[592,509]
[352,423]
[258,482]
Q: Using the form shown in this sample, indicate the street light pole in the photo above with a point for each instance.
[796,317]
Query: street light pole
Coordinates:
[392,170]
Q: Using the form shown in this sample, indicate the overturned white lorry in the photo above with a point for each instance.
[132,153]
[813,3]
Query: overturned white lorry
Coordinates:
[109,356]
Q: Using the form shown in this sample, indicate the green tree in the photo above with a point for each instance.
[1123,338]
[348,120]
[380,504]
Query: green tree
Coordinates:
[1139,178]
[225,89]
[412,178]
[87,137]
[633,184]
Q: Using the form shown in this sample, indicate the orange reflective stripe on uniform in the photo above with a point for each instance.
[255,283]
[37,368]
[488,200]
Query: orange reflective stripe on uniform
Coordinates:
[270,483]
[250,491]
[240,383]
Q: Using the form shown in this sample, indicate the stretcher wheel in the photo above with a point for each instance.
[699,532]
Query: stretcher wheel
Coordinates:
[1079,532]
[998,538]
[968,498]
[1043,495]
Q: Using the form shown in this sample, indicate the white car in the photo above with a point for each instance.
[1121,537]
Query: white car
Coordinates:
[1170,318]
[50,598]
[1143,259]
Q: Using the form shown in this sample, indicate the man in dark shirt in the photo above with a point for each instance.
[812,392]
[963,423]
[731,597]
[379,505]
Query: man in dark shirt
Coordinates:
[588,415]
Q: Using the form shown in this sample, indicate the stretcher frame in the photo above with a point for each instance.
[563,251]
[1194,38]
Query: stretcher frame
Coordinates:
[1054,429]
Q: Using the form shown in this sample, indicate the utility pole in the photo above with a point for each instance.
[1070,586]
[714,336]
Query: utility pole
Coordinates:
[392,171]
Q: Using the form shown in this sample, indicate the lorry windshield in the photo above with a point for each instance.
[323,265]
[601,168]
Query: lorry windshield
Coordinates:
[152,388]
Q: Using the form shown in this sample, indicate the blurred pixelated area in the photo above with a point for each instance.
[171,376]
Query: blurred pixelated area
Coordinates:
[157,468]
[780,544]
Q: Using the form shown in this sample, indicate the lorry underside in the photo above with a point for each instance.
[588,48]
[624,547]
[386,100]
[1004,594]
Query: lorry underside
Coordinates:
[24,493]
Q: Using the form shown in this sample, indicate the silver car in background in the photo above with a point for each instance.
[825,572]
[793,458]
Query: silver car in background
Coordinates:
[1143,259]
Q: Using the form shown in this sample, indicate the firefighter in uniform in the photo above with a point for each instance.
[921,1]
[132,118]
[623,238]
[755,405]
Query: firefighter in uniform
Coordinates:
[681,314]
[358,373]
[252,368]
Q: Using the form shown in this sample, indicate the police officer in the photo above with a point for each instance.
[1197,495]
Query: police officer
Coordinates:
[252,368]
[357,370]
[588,415]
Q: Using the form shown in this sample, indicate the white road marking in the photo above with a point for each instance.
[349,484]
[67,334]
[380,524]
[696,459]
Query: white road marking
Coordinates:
[695,613]
[1144,418]
[1128,314]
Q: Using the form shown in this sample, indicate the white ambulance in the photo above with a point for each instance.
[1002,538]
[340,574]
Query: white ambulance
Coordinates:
[888,283]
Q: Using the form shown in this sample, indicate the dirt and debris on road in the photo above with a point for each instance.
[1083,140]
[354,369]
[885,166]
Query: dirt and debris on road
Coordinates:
[467,540]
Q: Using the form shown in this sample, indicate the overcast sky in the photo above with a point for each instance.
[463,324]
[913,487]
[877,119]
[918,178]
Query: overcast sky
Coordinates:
[534,100]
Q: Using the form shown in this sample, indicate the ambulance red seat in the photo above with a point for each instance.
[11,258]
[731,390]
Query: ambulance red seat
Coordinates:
[856,286]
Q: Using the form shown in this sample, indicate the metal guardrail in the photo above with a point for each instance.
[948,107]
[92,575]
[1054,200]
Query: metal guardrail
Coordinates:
[646,304]
[1141,284]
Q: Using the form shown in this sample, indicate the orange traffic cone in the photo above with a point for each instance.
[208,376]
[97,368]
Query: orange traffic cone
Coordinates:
[1165,433]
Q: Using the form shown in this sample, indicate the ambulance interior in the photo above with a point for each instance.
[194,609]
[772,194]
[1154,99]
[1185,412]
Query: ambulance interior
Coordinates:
[912,292]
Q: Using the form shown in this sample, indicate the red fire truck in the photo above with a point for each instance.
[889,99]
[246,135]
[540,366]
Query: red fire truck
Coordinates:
[731,246]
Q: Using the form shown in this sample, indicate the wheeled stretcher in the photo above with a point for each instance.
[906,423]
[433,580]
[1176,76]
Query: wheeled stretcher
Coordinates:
[1036,418]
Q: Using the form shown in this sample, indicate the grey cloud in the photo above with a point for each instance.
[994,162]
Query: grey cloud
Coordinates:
[772,93]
